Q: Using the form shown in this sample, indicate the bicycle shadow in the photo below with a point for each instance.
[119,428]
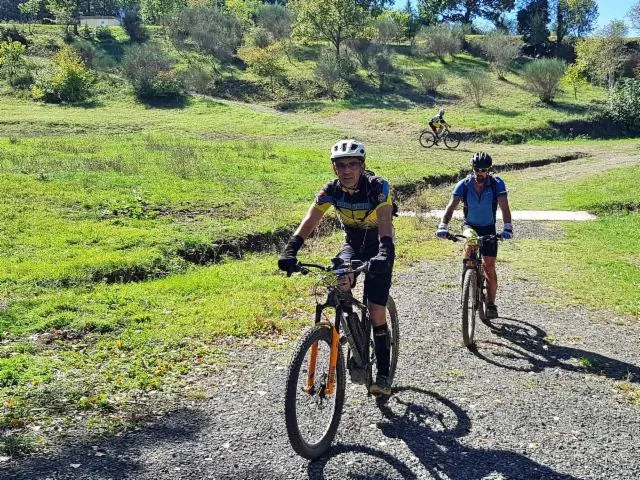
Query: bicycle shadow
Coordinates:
[431,426]
[529,350]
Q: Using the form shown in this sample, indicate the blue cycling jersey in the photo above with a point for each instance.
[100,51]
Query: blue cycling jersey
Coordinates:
[479,208]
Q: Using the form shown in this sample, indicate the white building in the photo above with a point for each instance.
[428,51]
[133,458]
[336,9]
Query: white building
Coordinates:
[99,21]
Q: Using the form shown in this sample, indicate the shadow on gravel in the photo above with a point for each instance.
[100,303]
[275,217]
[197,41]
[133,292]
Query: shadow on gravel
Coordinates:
[431,425]
[113,457]
[530,350]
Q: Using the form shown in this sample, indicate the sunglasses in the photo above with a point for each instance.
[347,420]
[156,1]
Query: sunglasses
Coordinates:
[350,165]
[481,170]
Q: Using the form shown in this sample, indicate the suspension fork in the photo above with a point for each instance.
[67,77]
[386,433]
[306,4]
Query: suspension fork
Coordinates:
[333,362]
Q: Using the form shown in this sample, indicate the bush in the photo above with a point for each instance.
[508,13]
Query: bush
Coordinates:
[382,67]
[363,49]
[478,83]
[441,40]
[429,79]
[13,66]
[12,34]
[276,19]
[132,24]
[501,51]
[264,62]
[149,69]
[259,37]
[68,82]
[623,104]
[332,74]
[211,30]
[543,77]
[103,33]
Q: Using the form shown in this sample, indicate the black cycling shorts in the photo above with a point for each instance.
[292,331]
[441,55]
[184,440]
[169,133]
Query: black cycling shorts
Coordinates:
[489,249]
[376,287]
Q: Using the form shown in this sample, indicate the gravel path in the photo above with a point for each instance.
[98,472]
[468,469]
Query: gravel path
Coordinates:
[541,398]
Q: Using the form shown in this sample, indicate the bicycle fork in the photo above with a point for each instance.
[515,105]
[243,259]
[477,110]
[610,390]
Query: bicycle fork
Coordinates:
[330,388]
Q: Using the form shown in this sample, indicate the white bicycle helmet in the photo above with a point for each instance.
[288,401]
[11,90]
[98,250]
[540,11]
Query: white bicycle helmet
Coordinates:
[348,148]
[441,112]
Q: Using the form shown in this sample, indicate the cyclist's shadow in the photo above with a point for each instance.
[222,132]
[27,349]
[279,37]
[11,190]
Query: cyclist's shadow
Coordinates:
[431,425]
[529,350]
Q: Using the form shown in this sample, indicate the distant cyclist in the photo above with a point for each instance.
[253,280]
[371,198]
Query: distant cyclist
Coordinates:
[481,193]
[437,124]
[364,206]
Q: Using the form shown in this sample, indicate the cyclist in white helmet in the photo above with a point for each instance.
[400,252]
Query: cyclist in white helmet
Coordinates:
[437,123]
[363,203]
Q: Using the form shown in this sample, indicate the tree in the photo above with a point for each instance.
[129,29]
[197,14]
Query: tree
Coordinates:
[441,40]
[601,58]
[30,9]
[532,23]
[431,12]
[465,11]
[331,20]
[634,15]
[575,17]
[67,12]
[574,78]
[543,77]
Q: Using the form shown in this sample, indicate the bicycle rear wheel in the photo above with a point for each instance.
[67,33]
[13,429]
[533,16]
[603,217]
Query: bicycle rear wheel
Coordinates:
[451,141]
[311,415]
[427,139]
[394,330]
[469,296]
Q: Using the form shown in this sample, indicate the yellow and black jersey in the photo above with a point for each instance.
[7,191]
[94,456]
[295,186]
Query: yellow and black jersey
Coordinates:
[357,209]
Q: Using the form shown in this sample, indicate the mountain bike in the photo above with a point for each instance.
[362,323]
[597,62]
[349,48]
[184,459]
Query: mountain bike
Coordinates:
[428,139]
[473,298]
[316,379]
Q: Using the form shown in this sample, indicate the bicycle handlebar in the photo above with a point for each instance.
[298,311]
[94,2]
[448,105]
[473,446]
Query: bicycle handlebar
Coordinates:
[454,237]
[353,266]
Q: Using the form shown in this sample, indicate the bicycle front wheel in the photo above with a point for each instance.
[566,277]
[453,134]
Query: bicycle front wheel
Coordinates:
[451,141]
[469,296]
[427,139]
[311,413]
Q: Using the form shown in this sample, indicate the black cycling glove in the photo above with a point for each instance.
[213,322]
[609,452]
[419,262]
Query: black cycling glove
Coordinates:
[287,261]
[383,261]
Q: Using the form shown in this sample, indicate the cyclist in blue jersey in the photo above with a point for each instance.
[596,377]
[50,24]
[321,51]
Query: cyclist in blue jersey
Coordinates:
[365,209]
[481,193]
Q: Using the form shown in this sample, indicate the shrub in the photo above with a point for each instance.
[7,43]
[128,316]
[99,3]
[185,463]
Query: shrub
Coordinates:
[543,77]
[149,69]
[13,66]
[623,104]
[103,33]
[501,51]
[68,82]
[574,78]
[382,67]
[259,37]
[12,34]
[211,30]
[264,62]
[276,19]
[441,40]
[478,83]
[132,24]
[429,79]
[332,72]
[363,49]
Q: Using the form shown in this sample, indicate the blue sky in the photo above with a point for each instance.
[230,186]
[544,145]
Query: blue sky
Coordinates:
[608,9]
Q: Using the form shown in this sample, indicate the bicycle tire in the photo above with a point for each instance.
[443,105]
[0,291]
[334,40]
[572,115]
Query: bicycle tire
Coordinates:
[469,295]
[427,139]
[312,448]
[394,329]
[451,141]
